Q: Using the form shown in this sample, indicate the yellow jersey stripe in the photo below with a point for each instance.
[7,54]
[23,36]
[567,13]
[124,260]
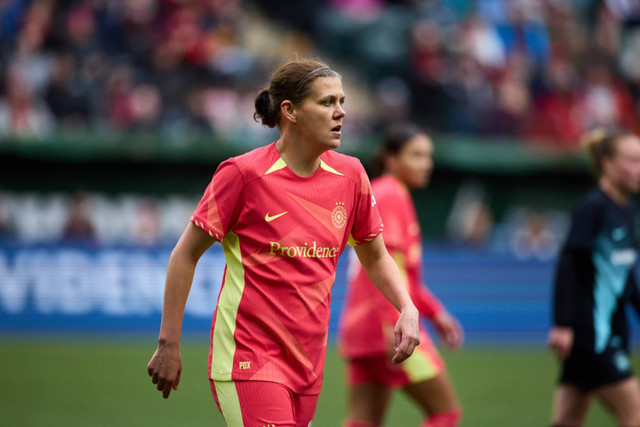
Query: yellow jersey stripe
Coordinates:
[398,257]
[328,168]
[229,402]
[279,164]
[224,344]
[419,367]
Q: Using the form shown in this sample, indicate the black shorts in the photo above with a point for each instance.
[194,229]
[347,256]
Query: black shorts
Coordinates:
[589,370]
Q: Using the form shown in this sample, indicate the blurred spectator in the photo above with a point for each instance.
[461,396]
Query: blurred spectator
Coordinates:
[607,101]
[534,238]
[608,31]
[555,115]
[146,226]
[199,122]
[66,95]
[80,26]
[138,19]
[22,113]
[118,90]
[392,102]
[471,220]
[79,226]
[430,66]
[507,115]
[482,41]
[469,94]
[525,31]
[146,107]
[7,228]
[28,59]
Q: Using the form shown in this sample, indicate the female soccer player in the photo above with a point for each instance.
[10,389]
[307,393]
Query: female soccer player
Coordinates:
[283,213]
[594,281]
[366,333]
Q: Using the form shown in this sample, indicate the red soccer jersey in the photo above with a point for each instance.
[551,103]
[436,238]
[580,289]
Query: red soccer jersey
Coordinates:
[368,319]
[282,235]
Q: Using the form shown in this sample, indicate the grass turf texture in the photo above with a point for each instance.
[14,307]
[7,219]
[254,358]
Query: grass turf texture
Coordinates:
[81,382]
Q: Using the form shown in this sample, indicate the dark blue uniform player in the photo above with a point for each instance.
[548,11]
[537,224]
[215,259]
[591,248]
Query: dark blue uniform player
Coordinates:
[594,282]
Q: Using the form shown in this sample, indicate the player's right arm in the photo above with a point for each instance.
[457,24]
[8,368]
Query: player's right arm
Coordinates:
[560,337]
[574,258]
[165,366]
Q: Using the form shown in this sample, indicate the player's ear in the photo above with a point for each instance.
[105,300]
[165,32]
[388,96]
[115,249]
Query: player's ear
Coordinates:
[288,110]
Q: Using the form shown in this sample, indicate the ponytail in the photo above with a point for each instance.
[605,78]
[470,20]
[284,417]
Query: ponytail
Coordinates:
[600,143]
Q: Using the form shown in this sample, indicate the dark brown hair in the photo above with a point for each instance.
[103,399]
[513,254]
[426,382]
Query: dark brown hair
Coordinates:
[395,138]
[291,81]
[600,143]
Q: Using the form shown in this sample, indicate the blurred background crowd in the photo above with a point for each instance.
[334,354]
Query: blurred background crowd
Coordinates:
[545,70]
[529,72]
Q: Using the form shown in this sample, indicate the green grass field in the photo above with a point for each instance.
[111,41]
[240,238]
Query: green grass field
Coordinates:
[103,382]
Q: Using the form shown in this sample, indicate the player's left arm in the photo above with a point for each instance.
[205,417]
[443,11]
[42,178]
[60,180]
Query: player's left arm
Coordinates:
[446,324]
[429,306]
[384,273]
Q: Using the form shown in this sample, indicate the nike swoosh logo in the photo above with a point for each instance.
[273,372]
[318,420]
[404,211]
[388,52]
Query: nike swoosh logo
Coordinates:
[271,218]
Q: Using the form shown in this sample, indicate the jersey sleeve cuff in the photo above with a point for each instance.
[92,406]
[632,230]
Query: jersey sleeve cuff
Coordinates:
[367,238]
[198,222]
[433,311]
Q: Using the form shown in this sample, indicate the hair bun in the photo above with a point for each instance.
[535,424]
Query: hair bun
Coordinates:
[601,143]
[264,109]
[594,138]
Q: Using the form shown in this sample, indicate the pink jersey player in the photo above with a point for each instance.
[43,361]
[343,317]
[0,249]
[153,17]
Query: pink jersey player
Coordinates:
[282,235]
[367,323]
[284,213]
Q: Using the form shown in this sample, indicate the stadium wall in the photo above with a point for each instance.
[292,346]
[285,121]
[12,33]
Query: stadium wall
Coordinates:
[499,299]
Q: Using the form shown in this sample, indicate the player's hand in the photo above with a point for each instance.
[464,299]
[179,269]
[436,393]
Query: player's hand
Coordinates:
[407,335]
[449,330]
[165,368]
[561,341]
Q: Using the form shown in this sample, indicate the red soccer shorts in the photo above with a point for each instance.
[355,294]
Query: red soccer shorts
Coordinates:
[425,363]
[262,404]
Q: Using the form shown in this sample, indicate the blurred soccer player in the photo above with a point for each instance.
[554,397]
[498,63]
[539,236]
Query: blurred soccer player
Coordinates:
[594,282]
[283,213]
[366,332]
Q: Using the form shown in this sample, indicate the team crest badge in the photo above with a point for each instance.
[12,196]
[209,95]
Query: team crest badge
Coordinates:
[339,215]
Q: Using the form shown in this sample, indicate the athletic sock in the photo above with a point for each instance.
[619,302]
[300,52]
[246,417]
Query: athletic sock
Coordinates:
[443,419]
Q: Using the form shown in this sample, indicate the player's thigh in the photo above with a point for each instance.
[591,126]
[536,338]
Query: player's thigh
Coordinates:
[368,402]
[427,381]
[623,400]
[255,403]
[570,406]
[435,395]
[304,408]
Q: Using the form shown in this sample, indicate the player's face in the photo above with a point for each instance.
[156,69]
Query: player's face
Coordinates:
[626,162]
[414,163]
[320,115]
